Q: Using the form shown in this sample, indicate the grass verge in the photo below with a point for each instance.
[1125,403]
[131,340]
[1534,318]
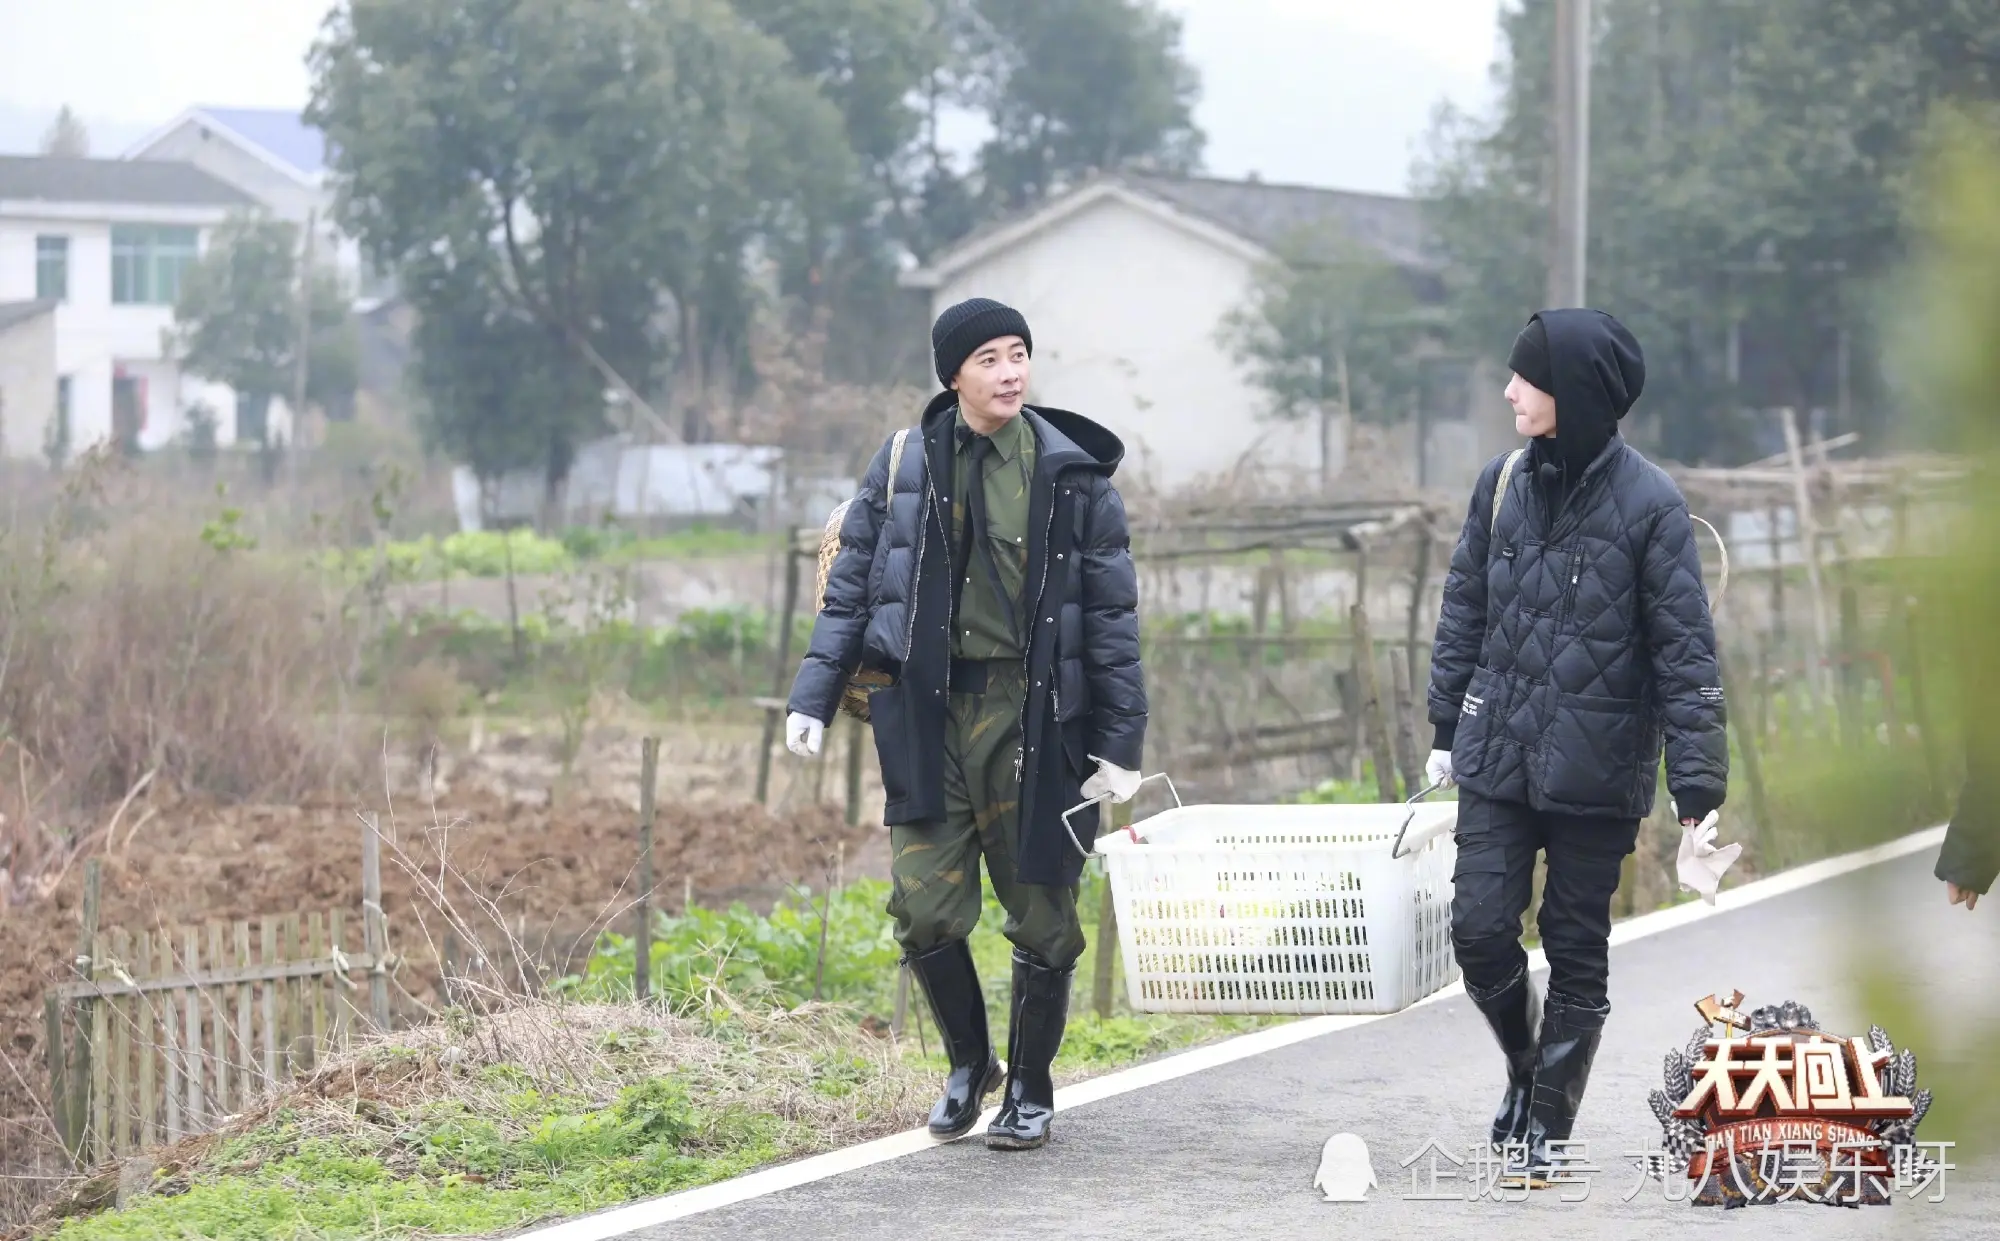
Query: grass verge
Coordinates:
[482,1123]
[474,1125]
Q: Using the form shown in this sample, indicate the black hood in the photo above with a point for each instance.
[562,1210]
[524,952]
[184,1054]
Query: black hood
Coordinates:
[1066,439]
[1598,372]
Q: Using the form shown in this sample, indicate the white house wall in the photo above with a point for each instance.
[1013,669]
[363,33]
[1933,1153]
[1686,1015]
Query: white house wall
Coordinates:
[1148,298]
[95,338]
[284,195]
[27,385]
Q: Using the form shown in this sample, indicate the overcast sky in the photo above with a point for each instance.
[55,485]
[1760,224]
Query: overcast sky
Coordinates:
[1323,92]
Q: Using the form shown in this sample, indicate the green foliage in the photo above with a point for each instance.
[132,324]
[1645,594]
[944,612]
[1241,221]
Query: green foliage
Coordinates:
[237,317]
[1750,164]
[439,1169]
[225,532]
[1093,84]
[764,959]
[548,228]
[483,553]
[1330,325]
[469,553]
[1944,352]
[1363,791]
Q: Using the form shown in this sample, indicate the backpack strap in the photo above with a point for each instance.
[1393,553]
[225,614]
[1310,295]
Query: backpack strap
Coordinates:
[1500,489]
[895,461]
[829,537]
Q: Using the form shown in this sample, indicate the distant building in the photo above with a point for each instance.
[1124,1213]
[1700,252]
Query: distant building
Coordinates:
[279,161]
[28,385]
[1127,282]
[105,242]
[730,485]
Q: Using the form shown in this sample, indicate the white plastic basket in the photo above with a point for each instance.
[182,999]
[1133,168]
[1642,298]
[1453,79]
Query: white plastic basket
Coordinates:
[1284,909]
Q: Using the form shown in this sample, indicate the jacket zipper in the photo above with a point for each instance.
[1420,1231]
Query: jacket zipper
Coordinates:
[1575,575]
[1055,668]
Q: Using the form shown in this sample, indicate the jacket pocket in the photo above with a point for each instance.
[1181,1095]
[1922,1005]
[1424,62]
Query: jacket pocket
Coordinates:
[1482,712]
[887,715]
[1591,750]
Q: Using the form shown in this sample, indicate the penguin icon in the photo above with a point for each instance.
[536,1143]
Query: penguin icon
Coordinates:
[1345,1173]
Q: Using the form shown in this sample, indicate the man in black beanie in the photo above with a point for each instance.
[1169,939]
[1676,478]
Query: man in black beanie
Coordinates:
[1575,640]
[989,572]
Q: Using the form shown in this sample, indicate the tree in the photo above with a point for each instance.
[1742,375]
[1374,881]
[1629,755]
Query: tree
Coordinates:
[1331,327]
[1749,186]
[603,168]
[499,390]
[66,136]
[1069,89]
[236,320]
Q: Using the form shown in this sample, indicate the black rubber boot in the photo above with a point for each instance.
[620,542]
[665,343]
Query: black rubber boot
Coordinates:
[1568,1043]
[951,984]
[1513,1012]
[1040,1010]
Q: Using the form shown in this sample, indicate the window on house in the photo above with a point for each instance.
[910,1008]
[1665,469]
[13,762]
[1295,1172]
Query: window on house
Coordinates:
[147,262]
[52,268]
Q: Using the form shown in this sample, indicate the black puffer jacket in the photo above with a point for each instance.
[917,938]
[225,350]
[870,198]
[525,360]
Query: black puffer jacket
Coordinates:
[1578,639]
[888,606]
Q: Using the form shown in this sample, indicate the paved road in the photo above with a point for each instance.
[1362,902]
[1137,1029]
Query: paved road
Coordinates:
[1230,1151]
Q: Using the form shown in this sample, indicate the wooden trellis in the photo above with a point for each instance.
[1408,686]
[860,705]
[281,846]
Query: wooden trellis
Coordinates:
[174,1030]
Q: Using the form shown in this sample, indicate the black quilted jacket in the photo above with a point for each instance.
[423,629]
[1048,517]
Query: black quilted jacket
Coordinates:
[888,606]
[1577,641]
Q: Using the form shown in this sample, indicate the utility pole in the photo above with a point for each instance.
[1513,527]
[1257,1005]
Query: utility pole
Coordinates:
[1569,231]
[303,348]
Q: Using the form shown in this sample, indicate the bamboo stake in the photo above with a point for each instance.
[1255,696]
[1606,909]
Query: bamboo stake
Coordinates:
[642,934]
[1809,538]
[123,1014]
[149,1048]
[218,1009]
[1374,723]
[191,1030]
[246,998]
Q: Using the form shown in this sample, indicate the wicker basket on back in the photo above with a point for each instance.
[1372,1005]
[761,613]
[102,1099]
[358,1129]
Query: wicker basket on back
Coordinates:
[854,696]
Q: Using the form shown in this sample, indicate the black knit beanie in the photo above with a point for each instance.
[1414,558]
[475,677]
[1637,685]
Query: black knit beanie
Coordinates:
[1530,359]
[962,329]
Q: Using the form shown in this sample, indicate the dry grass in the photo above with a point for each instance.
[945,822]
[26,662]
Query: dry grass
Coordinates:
[824,1081]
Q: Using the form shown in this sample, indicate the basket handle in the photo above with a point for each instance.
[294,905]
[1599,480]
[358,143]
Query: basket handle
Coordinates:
[1071,829]
[1396,849]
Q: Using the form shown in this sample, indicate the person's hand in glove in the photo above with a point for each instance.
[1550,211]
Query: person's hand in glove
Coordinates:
[1110,780]
[1437,770]
[1700,864]
[803,734]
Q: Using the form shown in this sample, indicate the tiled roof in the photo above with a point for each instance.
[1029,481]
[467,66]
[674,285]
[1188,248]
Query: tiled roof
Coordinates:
[153,183]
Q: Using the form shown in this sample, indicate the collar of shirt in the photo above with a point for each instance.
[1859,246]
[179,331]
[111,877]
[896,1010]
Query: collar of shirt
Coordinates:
[1006,440]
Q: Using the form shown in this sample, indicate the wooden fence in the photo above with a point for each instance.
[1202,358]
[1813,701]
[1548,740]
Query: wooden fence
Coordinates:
[172,1031]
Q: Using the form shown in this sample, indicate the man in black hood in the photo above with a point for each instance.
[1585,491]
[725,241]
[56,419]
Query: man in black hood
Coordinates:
[989,572]
[1574,645]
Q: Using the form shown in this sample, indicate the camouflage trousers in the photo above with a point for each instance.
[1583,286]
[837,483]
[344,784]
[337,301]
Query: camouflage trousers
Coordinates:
[935,896]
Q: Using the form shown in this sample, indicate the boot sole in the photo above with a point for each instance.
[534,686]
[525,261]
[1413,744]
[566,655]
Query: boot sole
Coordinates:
[1000,1142]
[992,1083]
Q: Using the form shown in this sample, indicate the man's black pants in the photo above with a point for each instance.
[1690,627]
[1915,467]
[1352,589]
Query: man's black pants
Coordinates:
[1494,879]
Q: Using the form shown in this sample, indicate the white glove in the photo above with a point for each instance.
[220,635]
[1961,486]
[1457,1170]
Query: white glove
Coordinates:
[1437,770]
[803,734]
[1119,783]
[1701,864]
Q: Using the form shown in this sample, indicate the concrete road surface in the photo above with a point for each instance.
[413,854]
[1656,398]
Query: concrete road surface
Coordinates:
[1230,1152]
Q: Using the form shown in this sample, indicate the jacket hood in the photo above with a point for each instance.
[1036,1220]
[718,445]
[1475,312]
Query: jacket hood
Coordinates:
[1599,372]
[1068,439]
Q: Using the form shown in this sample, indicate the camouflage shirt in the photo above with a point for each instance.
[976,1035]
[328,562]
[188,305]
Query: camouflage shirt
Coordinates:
[983,631]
